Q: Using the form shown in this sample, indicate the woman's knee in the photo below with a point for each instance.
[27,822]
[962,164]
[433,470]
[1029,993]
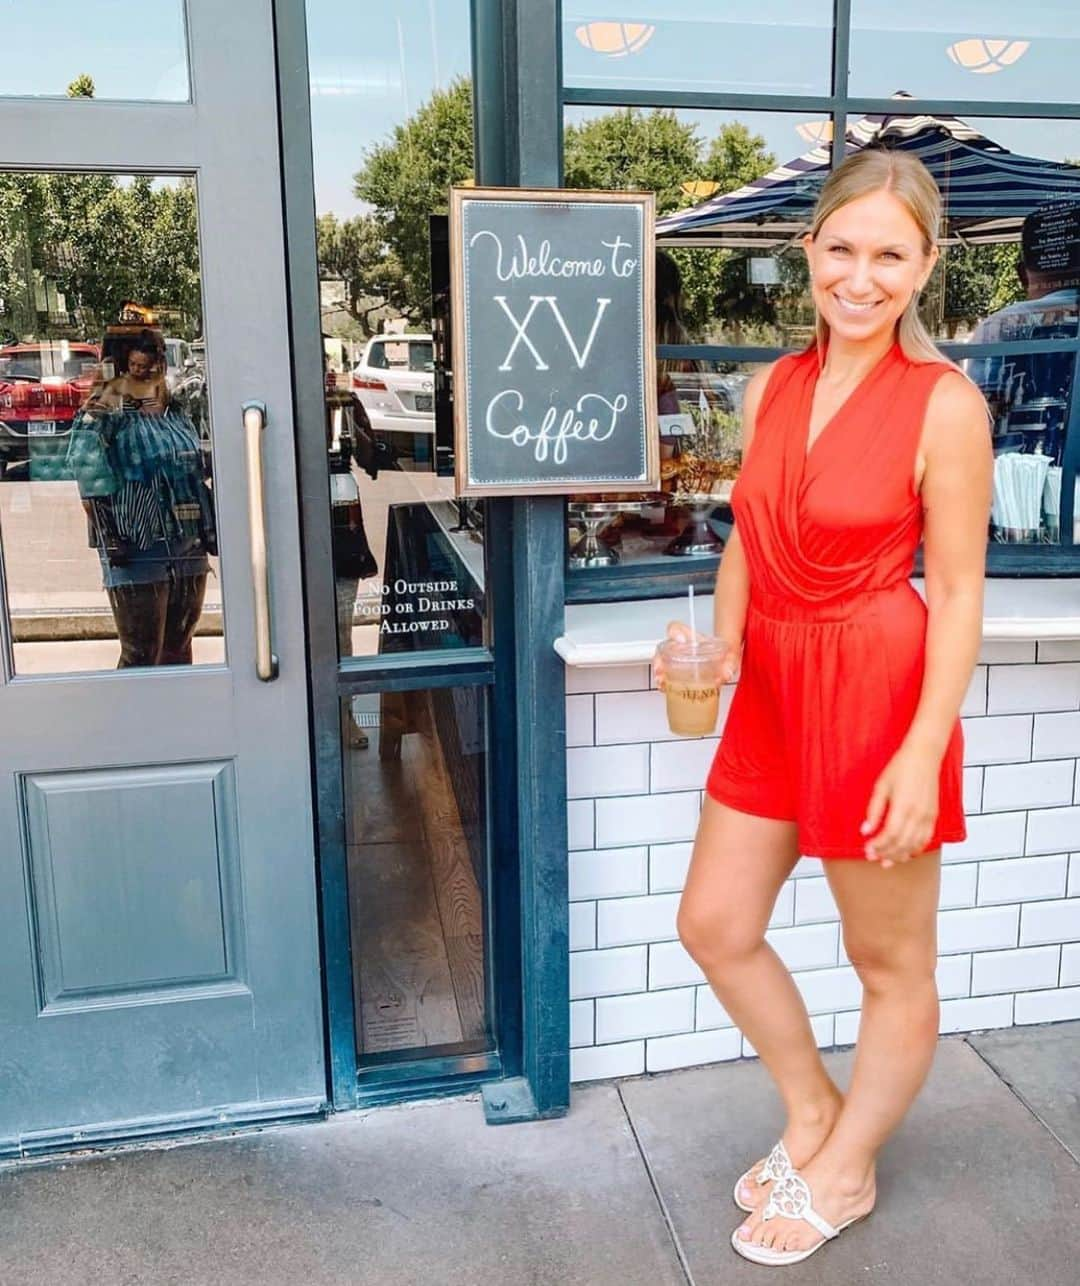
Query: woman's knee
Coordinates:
[714,932]
[891,966]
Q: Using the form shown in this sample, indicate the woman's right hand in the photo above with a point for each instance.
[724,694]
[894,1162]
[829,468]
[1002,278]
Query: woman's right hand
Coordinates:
[729,665]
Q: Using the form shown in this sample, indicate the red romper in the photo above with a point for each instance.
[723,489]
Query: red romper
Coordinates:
[835,638]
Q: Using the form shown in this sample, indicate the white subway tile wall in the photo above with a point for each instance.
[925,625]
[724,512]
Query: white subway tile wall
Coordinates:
[1009,923]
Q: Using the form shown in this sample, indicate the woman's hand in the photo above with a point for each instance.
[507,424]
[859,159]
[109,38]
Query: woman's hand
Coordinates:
[729,665]
[908,786]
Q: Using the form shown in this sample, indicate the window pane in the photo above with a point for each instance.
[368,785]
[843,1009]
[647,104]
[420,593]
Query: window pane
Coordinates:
[104,49]
[700,405]
[733,190]
[1028,395]
[743,46]
[392,130]
[1009,270]
[993,50]
[416,826]
[106,492]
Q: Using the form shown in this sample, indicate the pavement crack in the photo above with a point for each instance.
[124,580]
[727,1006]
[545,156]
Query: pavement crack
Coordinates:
[665,1213]
[1023,1102]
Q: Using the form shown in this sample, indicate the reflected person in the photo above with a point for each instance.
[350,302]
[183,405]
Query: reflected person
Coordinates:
[140,469]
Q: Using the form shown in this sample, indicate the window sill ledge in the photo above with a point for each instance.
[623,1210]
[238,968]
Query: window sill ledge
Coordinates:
[627,633]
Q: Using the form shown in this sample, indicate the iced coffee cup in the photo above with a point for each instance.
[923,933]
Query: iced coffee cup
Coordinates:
[692,683]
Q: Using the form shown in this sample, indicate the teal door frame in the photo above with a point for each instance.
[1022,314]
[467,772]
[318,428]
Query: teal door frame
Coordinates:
[516,75]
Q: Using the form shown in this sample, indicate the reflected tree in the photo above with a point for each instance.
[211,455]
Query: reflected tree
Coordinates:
[408,177]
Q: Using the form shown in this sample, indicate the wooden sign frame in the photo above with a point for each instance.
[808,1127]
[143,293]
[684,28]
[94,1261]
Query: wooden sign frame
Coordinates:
[646,201]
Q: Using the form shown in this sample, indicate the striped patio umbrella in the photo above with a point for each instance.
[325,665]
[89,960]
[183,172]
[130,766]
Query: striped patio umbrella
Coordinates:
[987,189]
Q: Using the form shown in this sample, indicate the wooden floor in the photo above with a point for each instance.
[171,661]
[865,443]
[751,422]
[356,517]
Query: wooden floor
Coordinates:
[417,913]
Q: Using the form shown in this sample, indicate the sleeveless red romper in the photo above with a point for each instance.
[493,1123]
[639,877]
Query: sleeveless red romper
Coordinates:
[835,637]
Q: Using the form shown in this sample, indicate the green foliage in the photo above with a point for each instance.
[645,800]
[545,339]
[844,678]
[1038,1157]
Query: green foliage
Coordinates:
[408,178]
[81,87]
[373,279]
[634,150]
[655,151]
[101,241]
[978,280]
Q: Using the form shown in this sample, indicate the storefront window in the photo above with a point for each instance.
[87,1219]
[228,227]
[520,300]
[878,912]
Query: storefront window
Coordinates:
[733,192]
[392,130]
[743,46]
[107,513]
[991,50]
[71,47]
[700,456]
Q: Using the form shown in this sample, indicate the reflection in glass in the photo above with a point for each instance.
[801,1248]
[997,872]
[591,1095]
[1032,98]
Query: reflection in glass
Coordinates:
[408,559]
[106,507]
[105,49]
[742,46]
[1028,395]
[743,276]
[700,418]
[991,50]
[415,776]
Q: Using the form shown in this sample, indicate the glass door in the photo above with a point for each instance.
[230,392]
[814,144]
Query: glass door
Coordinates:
[409,673]
[159,956]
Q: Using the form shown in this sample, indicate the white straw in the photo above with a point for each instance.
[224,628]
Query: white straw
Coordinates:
[693,629]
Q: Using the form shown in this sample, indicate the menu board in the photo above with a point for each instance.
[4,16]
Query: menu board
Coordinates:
[554,341]
[1051,248]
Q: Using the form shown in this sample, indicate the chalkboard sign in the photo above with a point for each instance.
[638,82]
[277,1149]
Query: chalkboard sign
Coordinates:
[554,341]
[1050,243]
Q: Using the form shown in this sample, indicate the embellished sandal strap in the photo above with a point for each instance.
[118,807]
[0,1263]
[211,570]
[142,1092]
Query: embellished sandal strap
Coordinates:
[790,1199]
[777,1164]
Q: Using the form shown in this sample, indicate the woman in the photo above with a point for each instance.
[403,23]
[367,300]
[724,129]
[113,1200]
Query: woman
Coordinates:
[843,739]
[150,509]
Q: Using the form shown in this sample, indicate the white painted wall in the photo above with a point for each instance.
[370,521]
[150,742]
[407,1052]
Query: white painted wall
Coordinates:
[1009,924]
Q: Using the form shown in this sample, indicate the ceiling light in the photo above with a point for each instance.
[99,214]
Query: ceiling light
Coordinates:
[982,56]
[815,131]
[615,39]
[699,189]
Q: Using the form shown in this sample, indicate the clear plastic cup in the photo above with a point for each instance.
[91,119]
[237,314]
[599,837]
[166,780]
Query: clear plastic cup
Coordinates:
[692,683]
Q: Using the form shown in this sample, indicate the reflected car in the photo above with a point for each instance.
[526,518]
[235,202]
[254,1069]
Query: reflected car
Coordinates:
[179,360]
[394,383]
[42,386]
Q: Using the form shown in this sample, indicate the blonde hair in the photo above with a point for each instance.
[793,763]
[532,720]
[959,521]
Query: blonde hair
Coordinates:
[877,170]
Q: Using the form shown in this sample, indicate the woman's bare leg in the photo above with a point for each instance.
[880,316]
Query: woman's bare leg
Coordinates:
[738,866]
[890,933]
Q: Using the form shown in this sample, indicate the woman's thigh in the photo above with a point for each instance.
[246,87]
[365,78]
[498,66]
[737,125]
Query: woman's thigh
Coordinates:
[738,865]
[889,915]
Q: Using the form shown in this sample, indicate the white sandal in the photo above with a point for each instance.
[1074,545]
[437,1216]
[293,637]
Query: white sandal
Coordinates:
[774,1167]
[790,1198]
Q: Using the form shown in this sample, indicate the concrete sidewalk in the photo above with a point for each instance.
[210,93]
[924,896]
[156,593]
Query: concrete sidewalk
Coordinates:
[981,1185]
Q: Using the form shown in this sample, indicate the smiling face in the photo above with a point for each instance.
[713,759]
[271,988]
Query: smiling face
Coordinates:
[867,260]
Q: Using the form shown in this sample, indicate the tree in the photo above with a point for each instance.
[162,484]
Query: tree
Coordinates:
[634,150]
[977,281]
[355,252]
[655,151]
[101,240]
[408,178]
[81,87]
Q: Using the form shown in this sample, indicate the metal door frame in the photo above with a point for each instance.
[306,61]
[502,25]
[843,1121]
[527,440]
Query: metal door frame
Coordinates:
[528,912]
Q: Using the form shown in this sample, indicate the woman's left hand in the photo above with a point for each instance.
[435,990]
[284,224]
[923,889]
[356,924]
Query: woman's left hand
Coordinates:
[908,787]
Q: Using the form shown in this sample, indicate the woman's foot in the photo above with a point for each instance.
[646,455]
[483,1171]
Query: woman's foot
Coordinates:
[803,1138]
[838,1197]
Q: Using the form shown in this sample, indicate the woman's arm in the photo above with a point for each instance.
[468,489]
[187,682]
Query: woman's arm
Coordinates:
[732,593]
[956,493]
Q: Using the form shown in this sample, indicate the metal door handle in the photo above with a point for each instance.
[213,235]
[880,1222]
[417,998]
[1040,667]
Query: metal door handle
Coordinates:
[266,663]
